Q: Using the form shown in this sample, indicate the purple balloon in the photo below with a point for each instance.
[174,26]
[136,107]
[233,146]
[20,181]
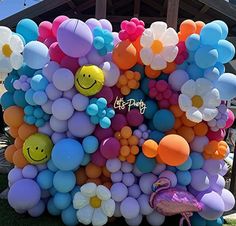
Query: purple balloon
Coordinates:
[30,171]
[213,205]
[146,181]
[199,143]
[128,179]
[62,109]
[134,191]
[47,108]
[74,38]
[171,176]
[46,129]
[217,183]
[135,221]
[52,92]
[57,137]
[80,102]
[116,177]
[49,69]
[129,208]
[69,94]
[116,38]
[14,175]
[59,126]
[92,23]
[159,168]
[79,125]
[118,192]
[212,166]
[228,199]
[63,79]
[106,24]
[200,180]
[37,210]
[126,167]
[177,78]
[145,207]
[113,165]
[24,194]
[224,168]
[93,57]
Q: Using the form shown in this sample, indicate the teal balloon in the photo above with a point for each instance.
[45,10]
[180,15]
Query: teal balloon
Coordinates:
[144,85]
[226,84]
[163,77]
[171,168]
[183,177]
[151,109]
[226,51]
[85,160]
[206,57]
[139,68]
[62,200]
[197,220]
[186,165]
[7,100]
[8,82]
[218,222]
[69,217]
[156,135]
[28,29]
[29,97]
[45,179]
[29,110]
[197,160]
[19,98]
[163,120]
[64,181]
[144,164]
[39,122]
[25,70]
[52,209]
[136,94]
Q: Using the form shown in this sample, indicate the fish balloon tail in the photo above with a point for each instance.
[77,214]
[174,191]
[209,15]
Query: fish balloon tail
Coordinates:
[185,216]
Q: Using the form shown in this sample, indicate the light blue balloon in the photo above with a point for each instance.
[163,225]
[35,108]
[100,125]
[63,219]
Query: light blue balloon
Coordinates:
[94,120]
[197,160]
[92,110]
[36,55]
[193,42]
[45,179]
[40,97]
[7,100]
[38,82]
[64,181]
[186,165]
[29,110]
[19,98]
[69,217]
[28,29]
[90,144]
[98,42]
[29,97]
[101,103]
[67,154]
[74,191]
[105,122]
[194,71]
[226,84]
[210,34]
[226,51]
[62,200]
[102,113]
[51,166]
[220,67]
[224,28]
[212,74]
[86,160]
[183,177]
[52,209]
[206,57]
[110,113]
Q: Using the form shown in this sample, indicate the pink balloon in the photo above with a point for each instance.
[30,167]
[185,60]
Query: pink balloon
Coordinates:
[45,29]
[230,119]
[134,117]
[107,93]
[218,135]
[118,122]
[48,41]
[56,23]
[55,52]
[102,134]
[110,148]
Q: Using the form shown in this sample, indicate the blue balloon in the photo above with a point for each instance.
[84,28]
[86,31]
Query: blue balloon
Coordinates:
[29,97]
[163,77]
[46,117]
[69,217]
[184,177]
[90,144]
[220,67]
[144,164]
[110,113]
[102,113]
[38,82]
[151,125]
[144,85]
[210,34]
[19,98]
[7,100]
[186,165]
[95,119]
[226,84]
[38,113]
[182,66]
[194,71]
[98,42]
[197,160]
[224,28]
[74,191]
[64,181]
[51,166]
[62,200]
[67,154]
[151,109]
[101,103]
[197,220]
[39,122]
[36,55]
[40,97]
[163,120]
[8,82]
[206,57]
[156,135]
[191,55]
[92,110]
[28,29]
[45,179]
[212,74]
[30,119]
[29,110]
[21,37]
[52,209]
[85,160]
[25,70]
[193,42]
[226,51]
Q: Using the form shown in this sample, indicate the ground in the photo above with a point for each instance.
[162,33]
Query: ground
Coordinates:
[9,217]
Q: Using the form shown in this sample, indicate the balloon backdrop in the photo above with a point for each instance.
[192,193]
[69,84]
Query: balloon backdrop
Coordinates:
[127,124]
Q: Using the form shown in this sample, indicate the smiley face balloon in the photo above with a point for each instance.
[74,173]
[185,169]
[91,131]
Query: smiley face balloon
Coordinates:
[37,148]
[89,80]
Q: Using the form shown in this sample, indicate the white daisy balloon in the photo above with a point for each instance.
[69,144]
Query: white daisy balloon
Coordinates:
[199,99]
[11,47]
[94,204]
[159,45]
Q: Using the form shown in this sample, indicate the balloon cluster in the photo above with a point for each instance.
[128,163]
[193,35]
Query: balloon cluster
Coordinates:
[99,117]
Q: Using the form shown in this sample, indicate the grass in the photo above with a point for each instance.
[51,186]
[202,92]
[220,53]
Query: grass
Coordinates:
[8,217]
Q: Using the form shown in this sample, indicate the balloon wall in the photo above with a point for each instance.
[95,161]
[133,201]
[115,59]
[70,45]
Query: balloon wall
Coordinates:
[103,121]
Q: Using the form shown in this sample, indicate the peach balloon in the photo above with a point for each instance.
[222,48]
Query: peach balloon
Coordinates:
[18,143]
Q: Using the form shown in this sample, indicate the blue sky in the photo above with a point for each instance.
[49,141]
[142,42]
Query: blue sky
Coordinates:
[10,7]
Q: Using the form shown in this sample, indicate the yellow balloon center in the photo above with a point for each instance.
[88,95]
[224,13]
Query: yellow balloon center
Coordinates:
[6,50]
[157,46]
[197,101]
[95,202]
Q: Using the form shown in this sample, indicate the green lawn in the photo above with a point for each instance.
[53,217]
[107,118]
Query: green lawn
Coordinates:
[8,217]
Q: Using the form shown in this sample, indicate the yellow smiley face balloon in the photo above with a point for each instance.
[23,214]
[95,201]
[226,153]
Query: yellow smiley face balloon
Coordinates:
[37,148]
[89,80]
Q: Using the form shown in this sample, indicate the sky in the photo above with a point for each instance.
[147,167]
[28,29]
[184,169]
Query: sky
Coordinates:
[10,7]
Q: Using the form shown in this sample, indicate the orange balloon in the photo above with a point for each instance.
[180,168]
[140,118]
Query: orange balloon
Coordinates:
[25,130]
[13,132]
[9,152]
[188,27]
[138,47]
[18,143]
[13,116]
[173,150]
[200,129]
[158,159]
[131,158]
[199,26]
[126,132]
[176,111]
[170,68]
[172,131]
[105,172]
[134,149]
[93,171]
[177,124]
[149,148]
[81,176]
[107,184]
[122,158]
[125,150]
[182,37]
[187,122]
[104,179]
[125,55]
[150,73]
[124,141]
[133,140]
[19,159]
[186,132]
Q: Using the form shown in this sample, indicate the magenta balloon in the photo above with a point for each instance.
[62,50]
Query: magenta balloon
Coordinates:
[92,23]
[82,121]
[213,205]
[110,148]
[70,63]
[57,22]
[118,122]
[24,194]
[49,41]
[45,29]
[74,38]
[98,159]
[107,93]
[49,69]
[230,119]
[52,92]
[59,126]
[218,135]
[199,143]
[200,180]
[106,24]
[228,199]
[102,134]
